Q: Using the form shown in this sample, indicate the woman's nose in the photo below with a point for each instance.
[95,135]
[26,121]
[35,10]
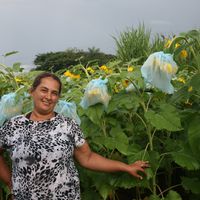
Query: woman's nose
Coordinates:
[48,95]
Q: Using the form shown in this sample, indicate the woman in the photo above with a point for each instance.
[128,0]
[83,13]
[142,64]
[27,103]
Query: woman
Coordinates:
[42,146]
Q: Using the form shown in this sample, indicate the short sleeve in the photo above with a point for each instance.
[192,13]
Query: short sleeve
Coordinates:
[78,134]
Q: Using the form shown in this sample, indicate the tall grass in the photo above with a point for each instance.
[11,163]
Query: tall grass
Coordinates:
[137,44]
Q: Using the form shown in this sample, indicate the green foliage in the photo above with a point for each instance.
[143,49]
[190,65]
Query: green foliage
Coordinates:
[194,136]
[166,117]
[192,184]
[137,43]
[185,158]
[10,53]
[54,61]
[133,43]
[141,123]
[193,41]
[7,75]
[172,195]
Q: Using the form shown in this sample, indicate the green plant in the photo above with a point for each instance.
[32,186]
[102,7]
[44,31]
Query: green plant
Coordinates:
[133,43]
[55,61]
[143,123]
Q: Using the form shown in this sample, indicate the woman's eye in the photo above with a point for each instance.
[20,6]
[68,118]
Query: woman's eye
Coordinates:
[55,93]
[43,90]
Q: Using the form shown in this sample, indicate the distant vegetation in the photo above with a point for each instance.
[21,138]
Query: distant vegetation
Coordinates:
[54,61]
[141,121]
[133,46]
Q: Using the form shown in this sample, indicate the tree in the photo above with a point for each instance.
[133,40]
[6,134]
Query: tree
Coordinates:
[54,61]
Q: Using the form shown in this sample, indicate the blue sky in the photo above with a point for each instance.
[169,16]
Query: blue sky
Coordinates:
[39,26]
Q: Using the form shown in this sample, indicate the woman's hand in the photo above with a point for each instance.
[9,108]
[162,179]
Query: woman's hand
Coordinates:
[96,162]
[138,166]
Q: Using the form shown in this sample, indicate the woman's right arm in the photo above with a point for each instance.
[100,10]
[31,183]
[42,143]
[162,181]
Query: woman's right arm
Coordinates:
[5,172]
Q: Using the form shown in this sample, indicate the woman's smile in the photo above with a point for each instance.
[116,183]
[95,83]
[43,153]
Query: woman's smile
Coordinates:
[45,96]
[46,103]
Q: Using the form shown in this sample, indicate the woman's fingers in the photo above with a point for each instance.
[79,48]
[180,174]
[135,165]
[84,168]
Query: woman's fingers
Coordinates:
[139,169]
[139,166]
[143,164]
[139,177]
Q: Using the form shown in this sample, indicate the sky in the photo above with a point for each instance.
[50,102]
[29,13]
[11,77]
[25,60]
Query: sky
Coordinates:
[33,27]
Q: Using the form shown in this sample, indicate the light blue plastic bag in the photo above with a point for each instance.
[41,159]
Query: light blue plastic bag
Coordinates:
[96,92]
[158,70]
[10,106]
[68,109]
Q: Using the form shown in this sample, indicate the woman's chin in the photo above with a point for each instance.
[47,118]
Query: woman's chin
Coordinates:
[46,110]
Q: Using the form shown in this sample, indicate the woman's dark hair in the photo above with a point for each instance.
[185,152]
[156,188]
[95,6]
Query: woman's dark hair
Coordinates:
[38,79]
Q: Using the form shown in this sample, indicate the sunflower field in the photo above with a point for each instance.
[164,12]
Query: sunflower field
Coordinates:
[143,105]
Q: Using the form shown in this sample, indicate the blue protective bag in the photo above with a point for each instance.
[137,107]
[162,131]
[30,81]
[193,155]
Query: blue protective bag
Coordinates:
[96,92]
[68,109]
[158,70]
[10,105]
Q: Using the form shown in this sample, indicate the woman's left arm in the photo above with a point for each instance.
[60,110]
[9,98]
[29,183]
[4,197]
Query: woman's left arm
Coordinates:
[94,161]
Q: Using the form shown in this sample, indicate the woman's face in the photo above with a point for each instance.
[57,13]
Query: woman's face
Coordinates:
[45,95]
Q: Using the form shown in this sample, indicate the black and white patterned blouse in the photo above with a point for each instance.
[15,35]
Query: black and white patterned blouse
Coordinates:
[42,157]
